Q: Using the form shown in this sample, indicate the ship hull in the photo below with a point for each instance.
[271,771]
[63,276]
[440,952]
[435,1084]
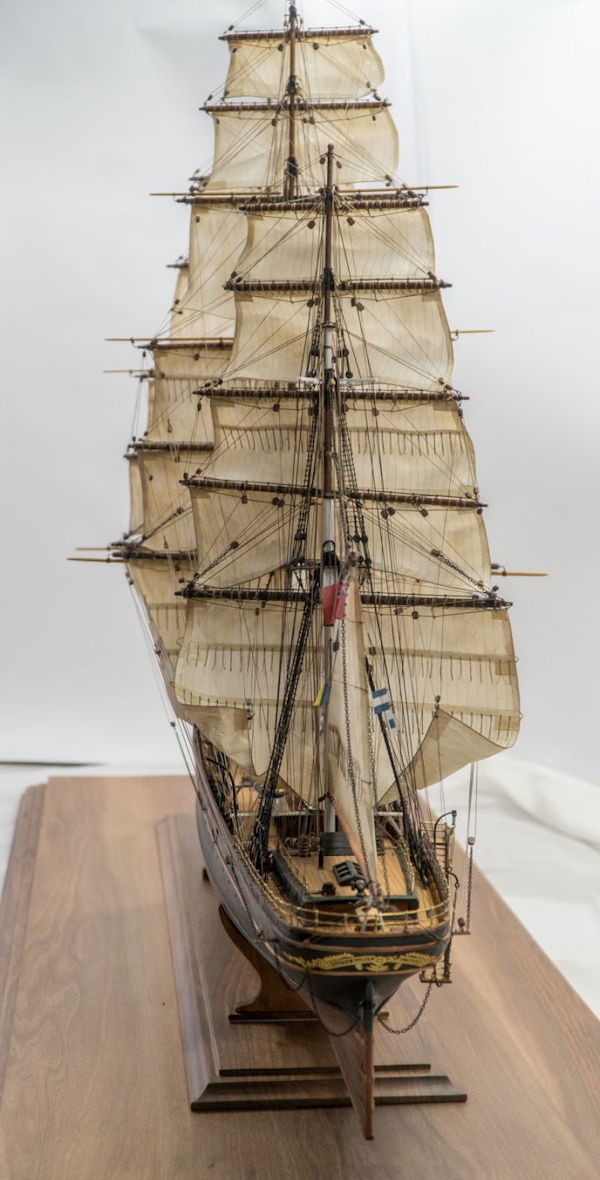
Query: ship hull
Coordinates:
[351,972]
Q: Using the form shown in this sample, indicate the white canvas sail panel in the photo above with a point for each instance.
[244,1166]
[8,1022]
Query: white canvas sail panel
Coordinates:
[401,338]
[464,658]
[204,360]
[242,536]
[136,507]
[393,244]
[445,552]
[326,67]
[230,667]
[411,449]
[270,341]
[175,412]
[205,309]
[168,523]
[157,582]
[448,745]
[252,147]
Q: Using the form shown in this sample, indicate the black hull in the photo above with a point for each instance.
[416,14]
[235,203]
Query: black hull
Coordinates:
[354,973]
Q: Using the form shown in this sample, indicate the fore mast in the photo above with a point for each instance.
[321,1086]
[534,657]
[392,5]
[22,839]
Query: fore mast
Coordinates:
[329,559]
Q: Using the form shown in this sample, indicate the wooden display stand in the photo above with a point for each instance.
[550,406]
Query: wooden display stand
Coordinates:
[92,1073]
[256,1067]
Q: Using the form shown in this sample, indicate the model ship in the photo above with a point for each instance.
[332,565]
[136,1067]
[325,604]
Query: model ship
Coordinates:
[307,540]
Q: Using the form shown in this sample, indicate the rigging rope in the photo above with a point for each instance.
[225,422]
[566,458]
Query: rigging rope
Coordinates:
[260,835]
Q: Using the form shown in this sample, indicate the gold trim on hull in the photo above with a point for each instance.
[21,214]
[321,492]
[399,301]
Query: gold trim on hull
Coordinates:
[374,964]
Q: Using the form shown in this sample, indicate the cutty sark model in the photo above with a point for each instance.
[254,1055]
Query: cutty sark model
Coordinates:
[307,538]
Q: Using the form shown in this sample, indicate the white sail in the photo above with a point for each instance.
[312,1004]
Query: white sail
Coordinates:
[243,536]
[176,412]
[199,361]
[181,287]
[157,582]
[230,667]
[401,338]
[449,745]
[136,507]
[205,309]
[167,523]
[369,244]
[222,470]
[327,66]
[395,332]
[403,447]
[405,551]
[459,662]
[230,662]
[252,146]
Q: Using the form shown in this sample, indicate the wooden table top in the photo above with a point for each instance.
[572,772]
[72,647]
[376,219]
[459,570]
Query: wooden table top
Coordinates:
[92,1074]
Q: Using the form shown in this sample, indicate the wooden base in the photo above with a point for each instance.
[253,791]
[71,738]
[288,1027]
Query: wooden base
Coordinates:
[255,1068]
[274,1003]
[91,1069]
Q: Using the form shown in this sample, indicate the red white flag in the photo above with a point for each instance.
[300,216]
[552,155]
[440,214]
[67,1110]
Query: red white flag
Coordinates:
[334,601]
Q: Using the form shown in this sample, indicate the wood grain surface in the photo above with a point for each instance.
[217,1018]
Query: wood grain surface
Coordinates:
[283,1066]
[15,910]
[95,1086]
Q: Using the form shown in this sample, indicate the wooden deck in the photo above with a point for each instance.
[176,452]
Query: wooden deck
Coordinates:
[409,896]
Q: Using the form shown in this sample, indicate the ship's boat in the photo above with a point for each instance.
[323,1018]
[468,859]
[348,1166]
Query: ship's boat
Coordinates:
[307,540]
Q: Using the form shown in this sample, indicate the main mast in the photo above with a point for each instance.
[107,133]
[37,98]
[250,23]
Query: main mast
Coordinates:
[329,563]
[328,572]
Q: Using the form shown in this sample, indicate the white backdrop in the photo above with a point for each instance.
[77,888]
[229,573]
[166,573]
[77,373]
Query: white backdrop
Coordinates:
[100,107]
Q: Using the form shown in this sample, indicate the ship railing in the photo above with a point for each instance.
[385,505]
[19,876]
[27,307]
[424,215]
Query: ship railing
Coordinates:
[442,839]
[319,917]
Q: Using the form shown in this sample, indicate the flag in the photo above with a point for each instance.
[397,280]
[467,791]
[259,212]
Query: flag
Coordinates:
[334,601]
[381,705]
[322,696]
